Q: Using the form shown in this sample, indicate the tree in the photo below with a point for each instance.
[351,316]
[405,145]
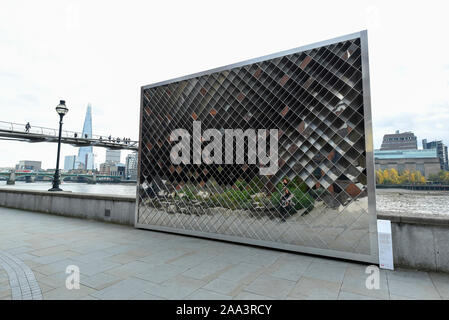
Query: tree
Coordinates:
[404,177]
[442,177]
[379,177]
[386,176]
[394,176]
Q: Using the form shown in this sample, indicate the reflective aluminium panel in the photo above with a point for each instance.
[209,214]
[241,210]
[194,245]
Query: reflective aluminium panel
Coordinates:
[275,151]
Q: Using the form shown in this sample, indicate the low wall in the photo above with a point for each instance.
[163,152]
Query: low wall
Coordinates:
[419,242]
[110,208]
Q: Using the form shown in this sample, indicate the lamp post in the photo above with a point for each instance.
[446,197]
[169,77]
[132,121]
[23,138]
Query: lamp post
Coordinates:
[61,109]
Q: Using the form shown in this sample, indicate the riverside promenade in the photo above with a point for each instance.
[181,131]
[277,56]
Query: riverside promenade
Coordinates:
[121,262]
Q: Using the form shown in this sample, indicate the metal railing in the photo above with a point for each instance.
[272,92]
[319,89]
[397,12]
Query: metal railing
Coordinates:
[50,132]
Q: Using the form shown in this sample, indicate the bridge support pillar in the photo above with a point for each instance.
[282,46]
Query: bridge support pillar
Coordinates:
[93,180]
[12,178]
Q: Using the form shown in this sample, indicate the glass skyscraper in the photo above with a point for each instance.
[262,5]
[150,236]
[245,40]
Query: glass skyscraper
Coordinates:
[85,154]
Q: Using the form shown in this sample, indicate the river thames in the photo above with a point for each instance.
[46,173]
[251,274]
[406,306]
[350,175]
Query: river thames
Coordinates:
[387,200]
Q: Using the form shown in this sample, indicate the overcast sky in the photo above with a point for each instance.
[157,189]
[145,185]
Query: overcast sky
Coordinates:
[103,51]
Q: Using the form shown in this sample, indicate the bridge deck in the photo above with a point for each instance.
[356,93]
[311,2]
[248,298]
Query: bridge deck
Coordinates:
[16,132]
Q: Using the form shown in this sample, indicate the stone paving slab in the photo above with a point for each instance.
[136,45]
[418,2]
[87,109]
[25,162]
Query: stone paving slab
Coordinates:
[120,262]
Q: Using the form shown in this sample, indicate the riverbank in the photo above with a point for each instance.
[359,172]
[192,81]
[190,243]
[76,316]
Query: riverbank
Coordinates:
[388,200]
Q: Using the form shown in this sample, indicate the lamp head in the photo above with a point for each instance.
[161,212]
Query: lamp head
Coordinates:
[61,109]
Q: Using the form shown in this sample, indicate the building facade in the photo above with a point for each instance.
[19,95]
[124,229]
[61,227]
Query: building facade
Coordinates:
[425,161]
[85,158]
[70,163]
[113,156]
[399,141]
[131,166]
[105,168]
[441,150]
[117,169]
[29,165]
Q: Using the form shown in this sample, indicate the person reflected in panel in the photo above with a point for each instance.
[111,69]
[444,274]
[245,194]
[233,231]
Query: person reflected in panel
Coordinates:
[285,201]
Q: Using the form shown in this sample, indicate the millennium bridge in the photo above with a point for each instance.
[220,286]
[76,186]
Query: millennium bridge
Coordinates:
[18,132]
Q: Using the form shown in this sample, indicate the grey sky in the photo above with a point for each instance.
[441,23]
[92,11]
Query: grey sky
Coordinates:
[103,51]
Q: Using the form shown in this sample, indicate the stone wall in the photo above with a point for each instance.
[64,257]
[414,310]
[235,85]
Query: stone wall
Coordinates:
[110,208]
[419,242]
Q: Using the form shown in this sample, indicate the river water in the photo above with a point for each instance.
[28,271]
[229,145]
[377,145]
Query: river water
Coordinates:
[100,188]
[387,200]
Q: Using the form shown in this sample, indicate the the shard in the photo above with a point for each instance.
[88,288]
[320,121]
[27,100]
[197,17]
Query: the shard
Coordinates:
[85,154]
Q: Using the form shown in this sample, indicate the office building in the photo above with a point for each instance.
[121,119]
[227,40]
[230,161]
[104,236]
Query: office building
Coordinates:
[70,162]
[29,165]
[118,169]
[131,166]
[441,150]
[113,156]
[399,141]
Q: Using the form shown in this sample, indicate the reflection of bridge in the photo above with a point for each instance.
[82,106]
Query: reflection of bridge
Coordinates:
[11,177]
[17,132]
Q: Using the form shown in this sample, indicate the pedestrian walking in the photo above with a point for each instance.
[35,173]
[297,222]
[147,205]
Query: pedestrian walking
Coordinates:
[27,127]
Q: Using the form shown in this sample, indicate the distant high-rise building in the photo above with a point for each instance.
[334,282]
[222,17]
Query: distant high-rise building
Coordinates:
[69,163]
[447,158]
[441,152]
[117,169]
[131,166]
[113,155]
[399,141]
[29,165]
[85,154]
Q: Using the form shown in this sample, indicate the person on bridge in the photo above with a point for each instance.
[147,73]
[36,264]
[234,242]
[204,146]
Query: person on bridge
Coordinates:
[109,137]
[27,127]
[75,135]
[85,135]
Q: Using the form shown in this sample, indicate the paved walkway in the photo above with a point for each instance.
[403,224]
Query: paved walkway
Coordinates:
[119,262]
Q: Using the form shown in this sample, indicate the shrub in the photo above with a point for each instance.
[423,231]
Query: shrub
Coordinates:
[231,199]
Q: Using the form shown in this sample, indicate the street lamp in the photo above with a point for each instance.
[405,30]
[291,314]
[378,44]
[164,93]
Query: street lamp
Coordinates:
[61,109]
